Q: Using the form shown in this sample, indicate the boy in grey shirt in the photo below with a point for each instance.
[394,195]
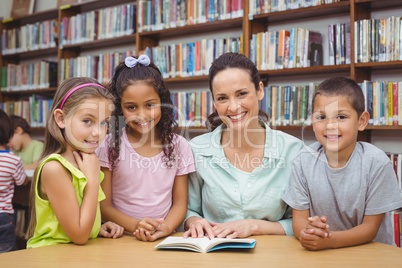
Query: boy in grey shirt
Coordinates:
[341,190]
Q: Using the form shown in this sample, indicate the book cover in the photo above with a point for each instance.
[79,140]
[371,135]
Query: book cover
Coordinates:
[205,244]
[21,8]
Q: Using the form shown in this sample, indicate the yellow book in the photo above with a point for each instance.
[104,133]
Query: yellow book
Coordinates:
[259,51]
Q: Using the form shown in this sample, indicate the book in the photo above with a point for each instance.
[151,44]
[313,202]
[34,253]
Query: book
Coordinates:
[205,244]
[21,8]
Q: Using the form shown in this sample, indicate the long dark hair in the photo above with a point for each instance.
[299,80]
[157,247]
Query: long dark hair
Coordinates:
[227,61]
[125,76]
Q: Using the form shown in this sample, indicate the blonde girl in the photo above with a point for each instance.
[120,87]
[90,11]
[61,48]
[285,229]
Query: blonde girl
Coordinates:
[66,189]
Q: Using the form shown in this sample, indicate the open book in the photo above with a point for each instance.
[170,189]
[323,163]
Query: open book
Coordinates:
[205,244]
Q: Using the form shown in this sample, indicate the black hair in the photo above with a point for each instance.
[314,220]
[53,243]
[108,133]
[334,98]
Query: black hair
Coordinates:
[6,128]
[342,86]
[227,61]
[125,76]
[18,121]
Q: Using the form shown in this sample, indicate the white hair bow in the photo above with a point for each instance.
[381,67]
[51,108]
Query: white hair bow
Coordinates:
[131,61]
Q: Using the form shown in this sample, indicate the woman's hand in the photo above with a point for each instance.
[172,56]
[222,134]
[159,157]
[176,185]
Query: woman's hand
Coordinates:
[233,229]
[111,230]
[199,227]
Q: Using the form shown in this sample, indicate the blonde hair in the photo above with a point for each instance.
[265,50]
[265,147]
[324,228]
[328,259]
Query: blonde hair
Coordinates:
[54,136]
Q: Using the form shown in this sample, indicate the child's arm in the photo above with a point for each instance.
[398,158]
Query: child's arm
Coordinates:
[109,213]
[176,214]
[32,166]
[77,221]
[360,234]
[316,225]
[111,230]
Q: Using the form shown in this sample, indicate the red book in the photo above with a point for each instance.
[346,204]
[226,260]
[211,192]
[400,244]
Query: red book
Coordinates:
[396,228]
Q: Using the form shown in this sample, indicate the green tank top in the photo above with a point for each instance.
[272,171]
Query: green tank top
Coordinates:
[48,230]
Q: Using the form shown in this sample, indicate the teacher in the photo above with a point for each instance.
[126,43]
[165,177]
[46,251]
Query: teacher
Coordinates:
[242,166]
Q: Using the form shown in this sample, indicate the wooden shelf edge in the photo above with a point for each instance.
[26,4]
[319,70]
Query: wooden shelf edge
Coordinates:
[313,11]
[308,70]
[186,79]
[31,53]
[198,28]
[33,91]
[125,39]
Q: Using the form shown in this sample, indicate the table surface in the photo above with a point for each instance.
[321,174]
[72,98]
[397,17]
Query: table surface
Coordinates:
[270,251]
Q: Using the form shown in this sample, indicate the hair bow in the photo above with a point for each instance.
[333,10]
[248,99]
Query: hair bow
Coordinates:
[131,61]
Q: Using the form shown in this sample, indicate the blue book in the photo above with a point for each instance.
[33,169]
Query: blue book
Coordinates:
[205,244]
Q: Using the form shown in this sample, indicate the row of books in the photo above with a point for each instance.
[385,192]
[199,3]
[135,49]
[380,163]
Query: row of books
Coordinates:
[267,6]
[98,24]
[283,49]
[35,109]
[378,40]
[339,43]
[16,77]
[191,59]
[100,67]
[156,15]
[288,105]
[192,108]
[292,105]
[29,37]
[383,100]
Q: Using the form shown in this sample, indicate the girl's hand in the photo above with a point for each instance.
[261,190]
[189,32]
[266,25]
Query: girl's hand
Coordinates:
[233,229]
[111,230]
[149,225]
[318,226]
[199,228]
[88,164]
[161,231]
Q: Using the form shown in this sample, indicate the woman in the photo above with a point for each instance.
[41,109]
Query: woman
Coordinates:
[243,166]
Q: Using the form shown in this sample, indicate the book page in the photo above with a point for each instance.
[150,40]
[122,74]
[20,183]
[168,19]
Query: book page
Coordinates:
[199,244]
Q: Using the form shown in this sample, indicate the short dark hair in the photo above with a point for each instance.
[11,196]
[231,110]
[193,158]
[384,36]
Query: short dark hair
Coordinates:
[18,121]
[6,128]
[342,86]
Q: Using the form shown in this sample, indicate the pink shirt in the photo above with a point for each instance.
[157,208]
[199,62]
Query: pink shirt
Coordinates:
[142,186]
[11,172]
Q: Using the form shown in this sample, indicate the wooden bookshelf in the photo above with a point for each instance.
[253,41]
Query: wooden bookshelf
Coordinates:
[355,9]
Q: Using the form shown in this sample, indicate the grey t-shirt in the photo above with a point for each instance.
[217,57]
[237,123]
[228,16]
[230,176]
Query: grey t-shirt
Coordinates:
[366,185]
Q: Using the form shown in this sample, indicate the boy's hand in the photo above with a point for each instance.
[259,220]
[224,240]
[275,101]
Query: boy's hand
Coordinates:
[318,226]
[111,230]
[312,241]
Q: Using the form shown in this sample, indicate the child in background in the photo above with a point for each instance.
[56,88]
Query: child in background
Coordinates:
[66,189]
[145,163]
[23,145]
[11,172]
[341,190]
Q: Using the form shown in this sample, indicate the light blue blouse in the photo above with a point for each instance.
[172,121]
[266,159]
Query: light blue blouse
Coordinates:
[215,194]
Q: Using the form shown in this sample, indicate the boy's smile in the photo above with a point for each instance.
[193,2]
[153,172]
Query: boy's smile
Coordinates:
[336,126]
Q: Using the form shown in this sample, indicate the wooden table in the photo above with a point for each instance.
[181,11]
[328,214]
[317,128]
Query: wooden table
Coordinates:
[270,251]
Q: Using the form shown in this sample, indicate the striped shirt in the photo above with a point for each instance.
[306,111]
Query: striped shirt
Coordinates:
[11,173]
